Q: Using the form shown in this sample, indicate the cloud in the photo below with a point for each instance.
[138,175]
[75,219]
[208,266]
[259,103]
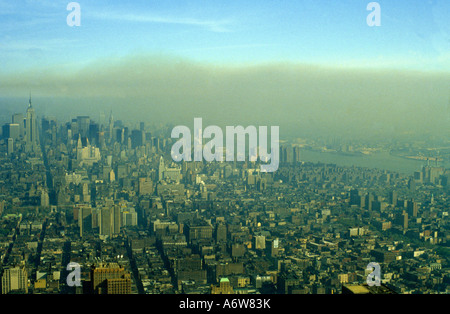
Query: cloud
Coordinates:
[211,25]
[300,98]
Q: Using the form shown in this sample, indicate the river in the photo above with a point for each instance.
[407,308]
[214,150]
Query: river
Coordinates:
[380,160]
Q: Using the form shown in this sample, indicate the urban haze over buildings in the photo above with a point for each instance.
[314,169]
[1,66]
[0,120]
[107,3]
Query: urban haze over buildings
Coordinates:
[87,175]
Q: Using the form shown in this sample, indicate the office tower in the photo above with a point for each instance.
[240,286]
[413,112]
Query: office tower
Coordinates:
[18,118]
[137,138]
[223,288]
[418,176]
[370,198]
[11,130]
[94,133]
[129,218]
[83,125]
[126,133]
[161,168]
[85,193]
[403,220]
[355,199]
[221,232]
[15,279]
[110,220]
[273,247]
[31,133]
[111,127]
[145,186]
[116,220]
[121,171]
[85,219]
[260,242]
[296,154]
[198,230]
[45,200]
[105,222]
[110,279]
[412,208]
[393,198]
[435,173]
[412,184]
[156,143]
[119,135]
[10,146]
[286,154]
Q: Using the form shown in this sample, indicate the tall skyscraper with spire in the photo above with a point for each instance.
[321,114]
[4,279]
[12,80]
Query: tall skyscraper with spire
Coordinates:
[111,126]
[161,168]
[31,129]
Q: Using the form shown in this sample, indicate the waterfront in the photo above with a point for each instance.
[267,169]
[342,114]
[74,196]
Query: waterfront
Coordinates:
[380,160]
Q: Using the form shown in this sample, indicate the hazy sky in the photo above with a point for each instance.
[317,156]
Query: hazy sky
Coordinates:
[304,65]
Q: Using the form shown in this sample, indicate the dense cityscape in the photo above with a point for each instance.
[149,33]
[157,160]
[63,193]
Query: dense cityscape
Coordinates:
[108,198]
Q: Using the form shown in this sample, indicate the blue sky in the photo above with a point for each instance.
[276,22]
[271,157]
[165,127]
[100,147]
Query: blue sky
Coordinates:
[413,34]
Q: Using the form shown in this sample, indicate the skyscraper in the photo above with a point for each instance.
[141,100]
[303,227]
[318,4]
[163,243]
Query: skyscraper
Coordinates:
[110,279]
[31,130]
[10,146]
[412,208]
[105,222]
[286,154]
[15,279]
[85,219]
[296,154]
[161,169]
[19,119]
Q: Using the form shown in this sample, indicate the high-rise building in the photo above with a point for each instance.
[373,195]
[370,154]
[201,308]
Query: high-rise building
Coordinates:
[110,220]
[83,125]
[110,279]
[11,130]
[286,154]
[15,279]
[370,198]
[85,219]
[161,169]
[94,133]
[116,220]
[137,138]
[223,288]
[31,131]
[45,200]
[105,222]
[10,146]
[198,230]
[355,198]
[393,198]
[145,186]
[296,154]
[260,242]
[412,208]
[18,118]
[221,233]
